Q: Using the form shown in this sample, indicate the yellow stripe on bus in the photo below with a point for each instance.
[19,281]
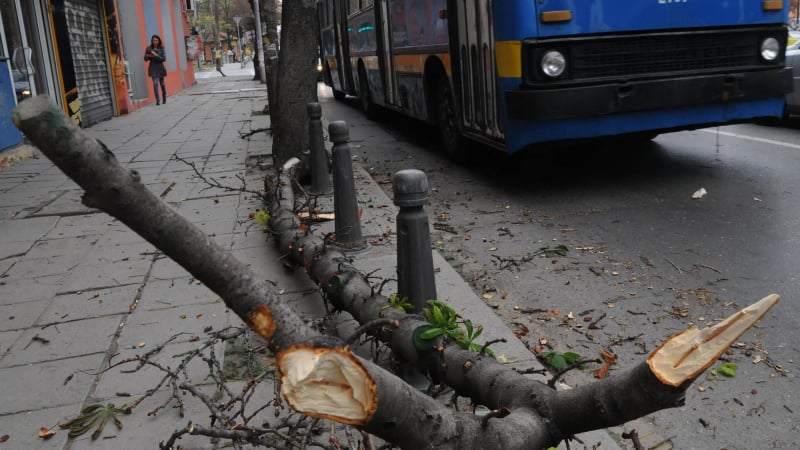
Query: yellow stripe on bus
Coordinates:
[415,62]
[509,59]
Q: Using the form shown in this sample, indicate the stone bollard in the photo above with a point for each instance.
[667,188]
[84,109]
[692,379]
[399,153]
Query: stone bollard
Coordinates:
[414,256]
[320,182]
[345,205]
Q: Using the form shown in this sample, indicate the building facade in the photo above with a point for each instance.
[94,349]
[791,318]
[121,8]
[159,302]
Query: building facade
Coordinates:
[88,55]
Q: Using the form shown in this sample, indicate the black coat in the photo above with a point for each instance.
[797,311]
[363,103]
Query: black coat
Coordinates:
[156,68]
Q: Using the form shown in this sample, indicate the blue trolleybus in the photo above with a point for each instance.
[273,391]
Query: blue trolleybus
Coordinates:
[511,73]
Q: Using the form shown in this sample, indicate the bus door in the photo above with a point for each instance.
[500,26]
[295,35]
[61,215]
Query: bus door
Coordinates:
[477,66]
[345,65]
[385,51]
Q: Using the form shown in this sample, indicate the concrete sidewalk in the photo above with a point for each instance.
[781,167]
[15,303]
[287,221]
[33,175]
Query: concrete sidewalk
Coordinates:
[79,289]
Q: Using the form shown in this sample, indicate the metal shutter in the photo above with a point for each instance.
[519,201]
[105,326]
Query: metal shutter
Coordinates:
[87,40]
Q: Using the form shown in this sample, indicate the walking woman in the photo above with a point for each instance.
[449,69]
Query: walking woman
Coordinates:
[156,70]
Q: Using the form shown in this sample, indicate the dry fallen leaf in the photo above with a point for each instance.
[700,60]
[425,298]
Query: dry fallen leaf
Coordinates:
[602,372]
[46,433]
[487,296]
[608,357]
[701,388]
[4,438]
[141,344]
[544,341]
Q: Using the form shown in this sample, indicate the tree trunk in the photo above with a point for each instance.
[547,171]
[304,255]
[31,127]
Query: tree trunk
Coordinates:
[296,80]
[322,378]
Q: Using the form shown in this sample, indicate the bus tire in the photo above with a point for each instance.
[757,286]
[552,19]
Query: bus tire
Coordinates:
[446,119]
[370,109]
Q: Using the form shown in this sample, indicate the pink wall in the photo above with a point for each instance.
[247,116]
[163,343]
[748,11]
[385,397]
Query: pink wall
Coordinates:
[175,81]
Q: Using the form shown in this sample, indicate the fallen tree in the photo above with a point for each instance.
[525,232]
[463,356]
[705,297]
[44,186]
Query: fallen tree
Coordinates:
[321,377]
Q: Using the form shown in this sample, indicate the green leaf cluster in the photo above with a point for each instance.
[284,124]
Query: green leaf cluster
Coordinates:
[399,303]
[558,360]
[444,321]
[261,217]
[551,252]
[726,369]
[95,416]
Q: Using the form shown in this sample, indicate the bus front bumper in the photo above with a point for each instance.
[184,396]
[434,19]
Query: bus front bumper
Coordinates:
[611,98]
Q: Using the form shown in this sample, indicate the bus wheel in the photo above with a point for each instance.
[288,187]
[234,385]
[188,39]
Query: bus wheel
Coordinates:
[370,109]
[446,119]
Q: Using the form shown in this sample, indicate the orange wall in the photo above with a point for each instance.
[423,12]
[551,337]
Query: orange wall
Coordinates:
[178,80]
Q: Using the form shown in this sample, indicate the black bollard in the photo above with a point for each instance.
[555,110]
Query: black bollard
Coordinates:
[414,256]
[320,182]
[345,205]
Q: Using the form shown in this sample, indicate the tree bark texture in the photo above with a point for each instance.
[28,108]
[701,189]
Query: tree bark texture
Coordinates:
[530,415]
[295,80]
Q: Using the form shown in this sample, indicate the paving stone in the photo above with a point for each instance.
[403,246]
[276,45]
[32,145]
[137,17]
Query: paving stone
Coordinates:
[23,428]
[76,247]
[125,378]
[87,225]
[27,267]
[141,431]
[30,289]
[156,326]
[89,304]
[63,340]
[26,230]
[6,264]
[118,273]
[69,203]
[37,386]
[255,237]
[12,249]
[110,252]
[21,315]
[167,269]
[7,339]
[162,294]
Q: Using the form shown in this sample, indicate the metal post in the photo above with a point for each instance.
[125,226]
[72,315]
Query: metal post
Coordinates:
[345,205]
[320,183]
[260,42]
[414,256]
[237,19]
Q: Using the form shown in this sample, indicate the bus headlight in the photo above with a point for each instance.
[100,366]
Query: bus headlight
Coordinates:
[770,48]
[554,63]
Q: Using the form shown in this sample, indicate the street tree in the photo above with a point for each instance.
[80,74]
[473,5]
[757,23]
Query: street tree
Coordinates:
[321,377]
[294,77]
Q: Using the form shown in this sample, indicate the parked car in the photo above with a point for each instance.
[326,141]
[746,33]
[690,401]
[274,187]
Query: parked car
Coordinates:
[793,61]
[21,84]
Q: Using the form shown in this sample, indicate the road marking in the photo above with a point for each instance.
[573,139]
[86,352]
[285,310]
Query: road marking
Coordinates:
[751,138]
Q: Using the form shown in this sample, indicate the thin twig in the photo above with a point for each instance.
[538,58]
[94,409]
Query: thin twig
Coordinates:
[552,382]
[675,266]
[369,326]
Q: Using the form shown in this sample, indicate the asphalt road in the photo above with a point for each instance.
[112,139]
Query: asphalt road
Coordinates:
[644,259]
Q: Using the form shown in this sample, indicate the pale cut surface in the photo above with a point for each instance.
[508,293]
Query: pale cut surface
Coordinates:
[327,382]
[688,353]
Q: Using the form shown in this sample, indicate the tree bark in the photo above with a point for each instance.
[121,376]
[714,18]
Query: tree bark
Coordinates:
[527,414]
[296,80]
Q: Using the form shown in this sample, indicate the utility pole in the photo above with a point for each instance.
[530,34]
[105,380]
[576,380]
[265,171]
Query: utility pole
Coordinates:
[236,19]
[260,42]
